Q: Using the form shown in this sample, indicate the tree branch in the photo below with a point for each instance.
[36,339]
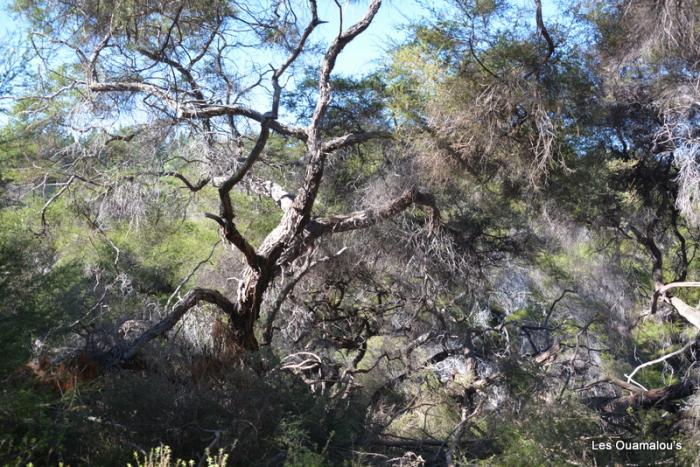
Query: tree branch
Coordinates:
[194,187]
[692,315]
[324,87]
[121,354]
[193,110]
[283,198]
[203,110]
[297,217]
[661,359]
[615,381]
[134,86]
[674,285]
[287,289]
[187,74]
[657,266]
[650,398]
[352,139]
[66,185]
[543,30]
[369,217]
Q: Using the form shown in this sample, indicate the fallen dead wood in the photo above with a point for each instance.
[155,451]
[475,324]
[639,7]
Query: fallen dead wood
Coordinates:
[658,397]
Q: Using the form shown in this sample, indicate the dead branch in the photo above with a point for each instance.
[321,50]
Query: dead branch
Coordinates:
[650,398]
[663,358]
[615,381]
[352,139]
[194,187]
[121,354]
[58,194]
[369,217]
[543,30]
[692,315]
[287,289]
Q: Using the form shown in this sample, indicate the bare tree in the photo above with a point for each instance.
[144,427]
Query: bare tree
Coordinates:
[184,75]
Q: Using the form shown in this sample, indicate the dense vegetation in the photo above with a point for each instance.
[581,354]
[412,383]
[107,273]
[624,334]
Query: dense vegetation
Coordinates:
[215,248]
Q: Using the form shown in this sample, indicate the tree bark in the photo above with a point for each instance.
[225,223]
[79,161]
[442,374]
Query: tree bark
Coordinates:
[297,230]
[121,354]
[650,398]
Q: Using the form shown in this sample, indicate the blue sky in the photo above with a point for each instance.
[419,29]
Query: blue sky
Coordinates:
[357,57]
[362,54]
[365,51]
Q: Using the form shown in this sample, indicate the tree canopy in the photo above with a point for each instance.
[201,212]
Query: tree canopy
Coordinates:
[215,246]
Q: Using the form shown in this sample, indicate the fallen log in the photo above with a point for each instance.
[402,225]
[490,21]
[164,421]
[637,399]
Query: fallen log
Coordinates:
[658,397]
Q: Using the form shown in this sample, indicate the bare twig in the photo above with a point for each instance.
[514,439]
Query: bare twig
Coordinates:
[663,358]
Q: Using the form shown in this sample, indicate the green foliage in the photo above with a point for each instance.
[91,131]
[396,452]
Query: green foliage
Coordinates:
[37,294]
[561,167]
[162,457]
[357,102]
[162,255]
[653,339]
[26,423]
[295,440]
[546,435]
[128,19]
[257,216]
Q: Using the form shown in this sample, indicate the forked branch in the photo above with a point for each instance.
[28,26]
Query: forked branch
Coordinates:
[688,312]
